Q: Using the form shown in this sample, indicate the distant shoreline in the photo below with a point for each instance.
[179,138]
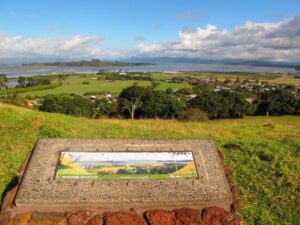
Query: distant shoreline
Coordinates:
[84,63]
[33,70]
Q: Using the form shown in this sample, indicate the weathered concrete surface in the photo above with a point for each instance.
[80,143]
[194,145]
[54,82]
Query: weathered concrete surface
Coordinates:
[39,188]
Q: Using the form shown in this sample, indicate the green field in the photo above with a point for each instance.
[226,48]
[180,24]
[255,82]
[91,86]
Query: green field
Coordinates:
[271,78]
[74,84]
[265,169]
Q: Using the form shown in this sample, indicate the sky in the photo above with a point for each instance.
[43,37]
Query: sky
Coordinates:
[215,29]
[124,156]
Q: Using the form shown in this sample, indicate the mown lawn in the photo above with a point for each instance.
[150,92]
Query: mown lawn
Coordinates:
[74,85]
[265,169]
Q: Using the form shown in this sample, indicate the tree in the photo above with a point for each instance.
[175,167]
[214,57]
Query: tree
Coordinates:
[236,102]
[222,104]
[52,103]
[130,99]
[33,81]
[184,91]
[3,81]
[277,102]
[238,80]
[155,83]
[158,104]
[202,87]
[291,87]
[214,104]
[169,91]
[123,171]
[22,82]
[69,105]
[104,107]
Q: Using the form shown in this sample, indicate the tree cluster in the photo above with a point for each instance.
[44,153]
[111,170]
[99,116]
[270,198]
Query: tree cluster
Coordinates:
[145,102]
[222,104]
[116,76]
[278,102]
[76,105]
[3,81]
[69,105]
[24,82]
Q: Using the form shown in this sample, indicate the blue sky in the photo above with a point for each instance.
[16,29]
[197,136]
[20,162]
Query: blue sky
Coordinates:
[122,25]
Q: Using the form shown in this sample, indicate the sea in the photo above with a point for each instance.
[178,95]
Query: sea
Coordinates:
[15,69]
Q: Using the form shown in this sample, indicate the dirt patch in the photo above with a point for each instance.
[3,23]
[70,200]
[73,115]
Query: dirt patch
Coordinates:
[232,146]
[270,125]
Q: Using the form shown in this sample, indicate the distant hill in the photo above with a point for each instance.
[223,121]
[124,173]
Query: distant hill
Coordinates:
[263,63]
[85,63]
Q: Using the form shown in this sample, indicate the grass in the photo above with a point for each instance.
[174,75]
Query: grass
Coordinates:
[271,78]
[80,84]
[285,80]
[265,170]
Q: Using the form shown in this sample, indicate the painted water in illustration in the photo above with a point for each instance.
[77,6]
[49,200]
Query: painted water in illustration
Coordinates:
[126,165]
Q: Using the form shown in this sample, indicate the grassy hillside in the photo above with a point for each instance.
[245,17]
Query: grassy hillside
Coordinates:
[265,169]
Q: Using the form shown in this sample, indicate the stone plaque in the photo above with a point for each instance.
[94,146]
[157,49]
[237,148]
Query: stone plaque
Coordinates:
[123,174]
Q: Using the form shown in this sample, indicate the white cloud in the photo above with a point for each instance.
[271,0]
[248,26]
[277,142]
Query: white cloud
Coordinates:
[271,41]
[74,46]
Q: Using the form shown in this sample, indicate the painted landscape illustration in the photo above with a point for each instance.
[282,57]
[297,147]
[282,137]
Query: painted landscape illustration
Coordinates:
[122,165]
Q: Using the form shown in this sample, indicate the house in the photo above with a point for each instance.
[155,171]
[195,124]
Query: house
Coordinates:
[109,97]
[191,96]
[32,102]
[250,100]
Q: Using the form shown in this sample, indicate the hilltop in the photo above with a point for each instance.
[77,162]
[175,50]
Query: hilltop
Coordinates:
[81,63]
[262,152]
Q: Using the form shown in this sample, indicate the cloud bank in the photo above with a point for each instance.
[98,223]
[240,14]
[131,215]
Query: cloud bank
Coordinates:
[74,46]
[268,41]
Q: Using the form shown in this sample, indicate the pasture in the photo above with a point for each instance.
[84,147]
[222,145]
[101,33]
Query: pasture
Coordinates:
[79,84]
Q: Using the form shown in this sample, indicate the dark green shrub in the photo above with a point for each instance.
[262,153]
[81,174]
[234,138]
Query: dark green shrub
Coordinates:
[34,88]
[193,114]
[85,82]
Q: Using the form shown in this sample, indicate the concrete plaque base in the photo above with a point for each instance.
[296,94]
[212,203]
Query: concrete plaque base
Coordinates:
[40,186]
